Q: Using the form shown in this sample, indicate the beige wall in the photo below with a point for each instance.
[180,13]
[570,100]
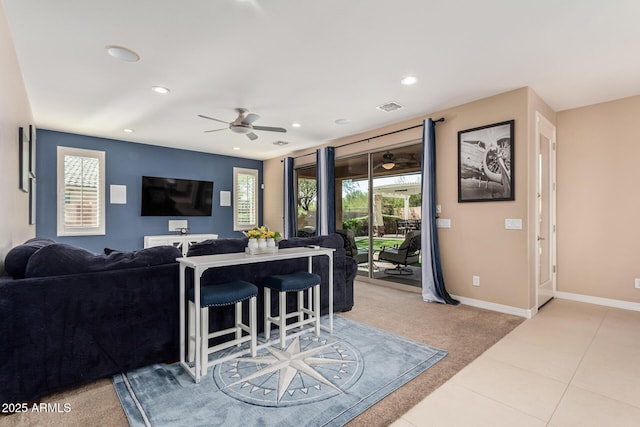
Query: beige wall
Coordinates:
[15,111]
[477,243]
[599,200]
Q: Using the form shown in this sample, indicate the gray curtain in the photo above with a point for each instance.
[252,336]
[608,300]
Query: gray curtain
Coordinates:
[289,200]
[325,179]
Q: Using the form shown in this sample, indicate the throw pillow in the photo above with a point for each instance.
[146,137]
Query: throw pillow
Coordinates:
[330,241]
[15,263]
[60,259]
[217,246]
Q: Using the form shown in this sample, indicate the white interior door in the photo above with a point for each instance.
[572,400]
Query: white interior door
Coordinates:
[546,209]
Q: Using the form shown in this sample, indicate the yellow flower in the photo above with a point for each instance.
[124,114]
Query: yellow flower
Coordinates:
[261,232]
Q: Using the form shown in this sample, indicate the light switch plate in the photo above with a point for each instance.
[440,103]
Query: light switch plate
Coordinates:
[443,223]
[513,224]
[438,209]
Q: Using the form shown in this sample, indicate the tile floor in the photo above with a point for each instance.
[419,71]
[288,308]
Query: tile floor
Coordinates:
[573,364]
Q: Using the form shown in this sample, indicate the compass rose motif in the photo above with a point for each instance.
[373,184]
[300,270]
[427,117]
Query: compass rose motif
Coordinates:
[309,369]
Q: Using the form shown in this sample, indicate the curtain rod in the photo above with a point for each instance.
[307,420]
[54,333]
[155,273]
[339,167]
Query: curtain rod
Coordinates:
[441,119]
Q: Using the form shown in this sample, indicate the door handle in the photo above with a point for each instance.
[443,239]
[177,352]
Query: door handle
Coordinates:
[540,238]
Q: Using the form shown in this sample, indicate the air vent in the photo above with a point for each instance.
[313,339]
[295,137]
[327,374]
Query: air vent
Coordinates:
[280,143]
[390,106]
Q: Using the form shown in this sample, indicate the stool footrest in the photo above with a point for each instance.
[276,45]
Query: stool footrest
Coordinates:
[228,331]
[228,344]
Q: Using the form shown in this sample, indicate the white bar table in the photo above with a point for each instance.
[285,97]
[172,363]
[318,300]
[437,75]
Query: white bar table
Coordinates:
[200,264]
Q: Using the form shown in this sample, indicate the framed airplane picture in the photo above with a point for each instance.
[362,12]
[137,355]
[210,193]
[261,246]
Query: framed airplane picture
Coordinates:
[485,163]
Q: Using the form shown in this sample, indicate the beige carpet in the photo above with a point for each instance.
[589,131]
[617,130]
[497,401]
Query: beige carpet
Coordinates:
[465,332]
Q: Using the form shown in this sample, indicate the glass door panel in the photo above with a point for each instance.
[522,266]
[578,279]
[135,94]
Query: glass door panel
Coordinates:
[352,208]
[396,199]
[307,191]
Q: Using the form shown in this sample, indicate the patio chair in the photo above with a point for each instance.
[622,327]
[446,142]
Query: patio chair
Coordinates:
[407,253]
[306,231]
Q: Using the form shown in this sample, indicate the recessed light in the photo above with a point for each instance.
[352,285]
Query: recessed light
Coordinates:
[160,89]
[280,143]
[127,130]
[342,121]
[296,125]
[236,148]
[409,80]
[123,53]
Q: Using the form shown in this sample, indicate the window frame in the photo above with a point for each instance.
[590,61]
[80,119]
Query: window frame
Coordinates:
[62,228]
[243,226]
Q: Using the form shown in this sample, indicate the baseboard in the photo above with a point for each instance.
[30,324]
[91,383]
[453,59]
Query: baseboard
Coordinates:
[627,305]
[507,309]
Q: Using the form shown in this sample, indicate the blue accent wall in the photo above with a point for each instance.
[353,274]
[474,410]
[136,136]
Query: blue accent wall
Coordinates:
[125,164]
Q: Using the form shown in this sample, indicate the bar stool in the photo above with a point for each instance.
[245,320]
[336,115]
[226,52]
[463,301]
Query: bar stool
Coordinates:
[294,282]
[234,292]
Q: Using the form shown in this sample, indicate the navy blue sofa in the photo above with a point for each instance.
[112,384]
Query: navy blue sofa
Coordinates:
[69,317]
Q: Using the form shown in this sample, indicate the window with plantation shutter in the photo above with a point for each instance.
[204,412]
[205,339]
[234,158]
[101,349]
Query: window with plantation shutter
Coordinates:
[245,199]
[81,193]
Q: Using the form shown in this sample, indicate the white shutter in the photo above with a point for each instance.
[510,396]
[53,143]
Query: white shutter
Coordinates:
[81,188]
[245,183]
[81,198]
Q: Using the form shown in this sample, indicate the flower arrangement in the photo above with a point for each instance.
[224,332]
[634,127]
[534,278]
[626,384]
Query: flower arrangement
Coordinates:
[262,232]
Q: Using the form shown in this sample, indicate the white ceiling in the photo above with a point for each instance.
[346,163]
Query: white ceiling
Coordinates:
[308,61]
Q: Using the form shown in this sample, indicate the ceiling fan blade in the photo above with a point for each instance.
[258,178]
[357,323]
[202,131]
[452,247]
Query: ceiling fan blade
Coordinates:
[211,118]
[250,118]
[215,130]
[269,128]
[252,136]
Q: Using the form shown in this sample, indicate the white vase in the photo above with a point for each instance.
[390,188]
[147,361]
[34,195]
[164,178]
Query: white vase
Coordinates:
[253,244]
[271,242]
[262,243]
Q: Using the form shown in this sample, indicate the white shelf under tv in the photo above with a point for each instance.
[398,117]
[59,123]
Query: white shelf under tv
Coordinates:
[180,241]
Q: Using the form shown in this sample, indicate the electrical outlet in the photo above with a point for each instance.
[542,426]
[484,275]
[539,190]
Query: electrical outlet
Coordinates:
[476,281]
[637,283]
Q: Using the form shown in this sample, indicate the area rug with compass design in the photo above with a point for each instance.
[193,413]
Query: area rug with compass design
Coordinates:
[313,381]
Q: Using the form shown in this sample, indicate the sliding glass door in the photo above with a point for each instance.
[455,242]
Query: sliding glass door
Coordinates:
[378,198]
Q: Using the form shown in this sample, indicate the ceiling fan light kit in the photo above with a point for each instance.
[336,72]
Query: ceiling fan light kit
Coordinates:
[387,161]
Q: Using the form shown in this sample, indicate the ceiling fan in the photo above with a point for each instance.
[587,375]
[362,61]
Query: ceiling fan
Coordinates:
[401,161]
[243,124]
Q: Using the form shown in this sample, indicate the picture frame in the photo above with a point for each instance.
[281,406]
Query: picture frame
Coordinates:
[32,200]
[23,169]
[486,159]
[32,151]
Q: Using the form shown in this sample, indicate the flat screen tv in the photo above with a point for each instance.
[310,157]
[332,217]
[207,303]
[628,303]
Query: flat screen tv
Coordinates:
[176,197]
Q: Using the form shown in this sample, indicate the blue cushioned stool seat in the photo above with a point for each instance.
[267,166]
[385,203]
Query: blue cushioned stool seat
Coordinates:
[230,293]
[298,282]
[225,294]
